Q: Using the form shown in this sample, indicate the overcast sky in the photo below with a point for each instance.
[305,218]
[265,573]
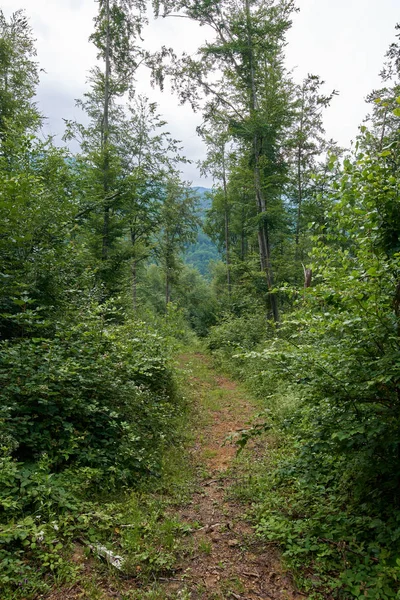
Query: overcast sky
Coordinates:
[343,41]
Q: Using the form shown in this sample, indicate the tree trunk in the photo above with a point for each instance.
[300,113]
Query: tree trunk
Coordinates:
[263,232]
[226,217]
[299,181]
[134,285]
[300,200]
[167,288]
[105,136]
[242,241]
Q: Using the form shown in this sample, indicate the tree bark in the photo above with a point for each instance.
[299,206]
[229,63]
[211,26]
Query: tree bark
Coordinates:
[134,285]
[105,136]
[226,217]
[167,288]
[300,199]
[263,231]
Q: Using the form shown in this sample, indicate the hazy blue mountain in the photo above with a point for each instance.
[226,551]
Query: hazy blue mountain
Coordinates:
[203,250]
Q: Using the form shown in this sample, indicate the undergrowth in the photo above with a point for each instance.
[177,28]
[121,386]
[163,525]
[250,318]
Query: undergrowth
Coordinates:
[332,547]
[61,515]
[319,485]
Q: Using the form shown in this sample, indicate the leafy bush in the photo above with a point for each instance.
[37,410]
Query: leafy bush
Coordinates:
[341,346]
[234,336]
[94,395]
[89,410]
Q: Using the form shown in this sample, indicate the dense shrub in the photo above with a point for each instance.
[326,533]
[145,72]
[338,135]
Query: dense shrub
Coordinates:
[89,410]
[235,335]
[341,346]
[94,395]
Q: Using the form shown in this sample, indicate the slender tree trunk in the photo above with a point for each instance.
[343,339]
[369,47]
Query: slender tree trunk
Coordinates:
[167,288]
[264,246]
[134,284]
[299,181]
[105,136]
[242,237]
[226,217]
[263,232]
[300,200]
[134,272]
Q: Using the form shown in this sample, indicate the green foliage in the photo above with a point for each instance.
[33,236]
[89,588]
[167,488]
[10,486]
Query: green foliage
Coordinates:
[38,250]
[91,410]
[341,345]
[18,77]
[34,518]
[234,336]
[95,395]
[89,399]
[328,493]
[332,545]
[179,224]
[193,302]
[201,253]
[47,516]
[152,543]
[198,303]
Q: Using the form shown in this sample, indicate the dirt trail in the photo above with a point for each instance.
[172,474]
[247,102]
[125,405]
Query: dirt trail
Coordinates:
[226,560]
[221,558]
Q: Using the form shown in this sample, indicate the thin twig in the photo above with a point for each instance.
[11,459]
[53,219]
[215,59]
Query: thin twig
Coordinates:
[347,549]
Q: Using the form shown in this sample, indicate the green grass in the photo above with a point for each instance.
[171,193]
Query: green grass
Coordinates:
[205,546]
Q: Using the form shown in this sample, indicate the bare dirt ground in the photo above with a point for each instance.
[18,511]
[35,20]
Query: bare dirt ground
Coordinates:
[227,561]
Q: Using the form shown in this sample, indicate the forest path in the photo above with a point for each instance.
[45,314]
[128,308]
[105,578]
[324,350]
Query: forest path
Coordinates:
[225,559]
[217,555]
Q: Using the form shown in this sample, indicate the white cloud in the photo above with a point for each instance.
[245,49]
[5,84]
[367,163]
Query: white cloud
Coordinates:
[342,41]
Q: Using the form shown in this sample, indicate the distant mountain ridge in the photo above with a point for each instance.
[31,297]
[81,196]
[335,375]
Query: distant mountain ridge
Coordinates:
[203,251]
[201,190]
[204,197]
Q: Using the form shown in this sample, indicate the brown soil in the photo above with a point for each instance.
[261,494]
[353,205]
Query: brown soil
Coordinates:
[228,561]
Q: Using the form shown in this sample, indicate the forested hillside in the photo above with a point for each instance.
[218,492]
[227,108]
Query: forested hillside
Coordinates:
[203,252]
[116,274]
